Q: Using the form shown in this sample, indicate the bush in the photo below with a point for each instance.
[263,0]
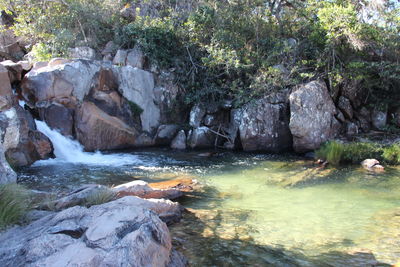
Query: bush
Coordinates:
[14,203]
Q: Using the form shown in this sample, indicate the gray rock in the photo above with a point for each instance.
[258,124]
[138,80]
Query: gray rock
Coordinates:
[379,119]
[120,57]
[196,116]
[82,52]
[136,58]
[312,116]
[179,142]
[210,120]
[351,128]
[110,48]
[119,233]
[201,137]
[59,82]
[137,86]
[345,106]
[58,117]
[340,117]
[165,134]
[264,126]
[7,175]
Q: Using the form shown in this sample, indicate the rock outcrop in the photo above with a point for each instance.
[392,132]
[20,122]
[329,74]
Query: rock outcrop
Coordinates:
[312,119]
[264,125]
[118,233]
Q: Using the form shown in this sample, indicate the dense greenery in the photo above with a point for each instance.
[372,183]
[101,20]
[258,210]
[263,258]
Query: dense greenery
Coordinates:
[14,203]
[236,49]
[335,152]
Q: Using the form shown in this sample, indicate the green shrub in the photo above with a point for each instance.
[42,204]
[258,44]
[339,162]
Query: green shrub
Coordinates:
[14,203]
[331,151]
[391,154]
[99,197]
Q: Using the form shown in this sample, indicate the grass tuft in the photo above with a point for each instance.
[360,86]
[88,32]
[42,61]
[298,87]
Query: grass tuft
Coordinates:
[14,203]
[99,197]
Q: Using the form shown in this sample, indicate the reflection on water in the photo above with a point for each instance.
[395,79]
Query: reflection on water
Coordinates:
[260,210]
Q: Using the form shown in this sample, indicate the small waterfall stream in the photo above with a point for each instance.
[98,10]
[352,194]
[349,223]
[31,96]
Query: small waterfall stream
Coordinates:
[71,151]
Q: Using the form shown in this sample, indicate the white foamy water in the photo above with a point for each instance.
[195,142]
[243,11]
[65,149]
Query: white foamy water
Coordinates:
[71,151]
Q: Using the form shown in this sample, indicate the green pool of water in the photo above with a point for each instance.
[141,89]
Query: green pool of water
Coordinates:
[261,210]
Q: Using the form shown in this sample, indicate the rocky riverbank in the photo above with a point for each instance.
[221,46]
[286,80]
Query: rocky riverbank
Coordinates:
[107,106]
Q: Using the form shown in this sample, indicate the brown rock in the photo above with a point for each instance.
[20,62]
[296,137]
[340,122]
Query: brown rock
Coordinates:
[182,184]
[95,129]
[58,117]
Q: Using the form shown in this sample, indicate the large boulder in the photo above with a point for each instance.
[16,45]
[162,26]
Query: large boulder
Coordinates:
[264,125]
[120,233]
[312,116]
[137,86]
[96,130]
[58,82]
[23,144]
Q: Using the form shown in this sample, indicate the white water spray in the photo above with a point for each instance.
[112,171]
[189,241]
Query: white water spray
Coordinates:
[71,151]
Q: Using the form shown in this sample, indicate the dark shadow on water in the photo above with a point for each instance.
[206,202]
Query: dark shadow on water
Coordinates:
[202,243]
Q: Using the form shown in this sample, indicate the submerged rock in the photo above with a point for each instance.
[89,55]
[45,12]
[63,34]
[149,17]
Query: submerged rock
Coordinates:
[372,165]
[120,233]
[312,119]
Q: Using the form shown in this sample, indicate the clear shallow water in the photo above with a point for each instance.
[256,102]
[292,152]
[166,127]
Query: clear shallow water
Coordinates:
[253,212]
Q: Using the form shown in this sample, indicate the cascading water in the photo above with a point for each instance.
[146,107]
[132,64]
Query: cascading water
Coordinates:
[71,151]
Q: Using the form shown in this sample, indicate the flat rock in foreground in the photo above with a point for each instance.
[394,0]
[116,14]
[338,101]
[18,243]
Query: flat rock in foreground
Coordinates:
[118,233]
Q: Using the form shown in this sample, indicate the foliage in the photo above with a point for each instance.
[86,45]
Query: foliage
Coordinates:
[99,197]
[14,203]
[236,50]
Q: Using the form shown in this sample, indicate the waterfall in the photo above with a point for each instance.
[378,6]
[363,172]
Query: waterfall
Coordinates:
[71,151]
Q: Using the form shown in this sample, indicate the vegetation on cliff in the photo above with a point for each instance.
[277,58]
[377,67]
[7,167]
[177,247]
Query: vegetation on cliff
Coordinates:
[233,49]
